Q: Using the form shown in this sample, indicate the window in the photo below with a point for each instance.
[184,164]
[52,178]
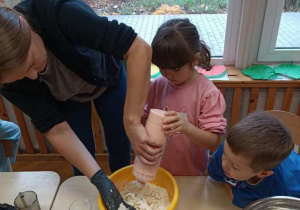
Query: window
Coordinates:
[240,32]
[145,16]
[280,39]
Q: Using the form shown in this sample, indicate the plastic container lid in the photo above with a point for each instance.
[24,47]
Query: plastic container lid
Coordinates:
[142,176]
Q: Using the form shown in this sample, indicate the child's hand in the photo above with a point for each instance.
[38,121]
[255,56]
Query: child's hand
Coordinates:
[175,122]
[229,190]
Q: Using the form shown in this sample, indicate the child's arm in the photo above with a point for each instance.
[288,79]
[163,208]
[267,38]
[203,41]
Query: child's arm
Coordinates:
[239,201]
[215,169]
[176,122]
[211,122]
[229,190]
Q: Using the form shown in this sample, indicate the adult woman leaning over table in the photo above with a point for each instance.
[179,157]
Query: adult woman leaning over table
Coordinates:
[55,58]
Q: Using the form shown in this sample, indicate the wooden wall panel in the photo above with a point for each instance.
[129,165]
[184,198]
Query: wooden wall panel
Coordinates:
[41,142]
[222,85]
[272,92]
[287,99]
[253,100]
[236,106]
[24,131]
[222,90]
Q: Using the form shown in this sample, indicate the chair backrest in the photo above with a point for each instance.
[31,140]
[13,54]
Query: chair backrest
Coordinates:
[292,122]
[8,148]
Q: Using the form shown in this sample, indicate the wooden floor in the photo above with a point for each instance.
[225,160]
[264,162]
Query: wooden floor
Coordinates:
[63,168]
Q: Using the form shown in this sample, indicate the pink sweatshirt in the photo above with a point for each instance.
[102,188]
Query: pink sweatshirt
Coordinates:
[204,105]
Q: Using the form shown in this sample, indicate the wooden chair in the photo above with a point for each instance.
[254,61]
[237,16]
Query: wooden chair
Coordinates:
[9,152]
[292,122]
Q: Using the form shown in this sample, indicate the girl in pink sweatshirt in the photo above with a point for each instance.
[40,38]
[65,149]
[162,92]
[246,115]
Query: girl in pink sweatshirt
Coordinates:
[195,106]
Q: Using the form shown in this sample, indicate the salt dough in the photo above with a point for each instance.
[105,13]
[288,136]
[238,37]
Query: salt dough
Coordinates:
[145,196]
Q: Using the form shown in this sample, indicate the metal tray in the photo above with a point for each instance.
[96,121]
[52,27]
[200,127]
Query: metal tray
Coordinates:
[275,203]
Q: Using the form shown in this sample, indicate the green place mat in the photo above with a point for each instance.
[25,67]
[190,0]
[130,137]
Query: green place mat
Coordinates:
[290,70]
[260,72]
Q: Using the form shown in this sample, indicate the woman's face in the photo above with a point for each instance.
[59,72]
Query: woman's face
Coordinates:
[35,62]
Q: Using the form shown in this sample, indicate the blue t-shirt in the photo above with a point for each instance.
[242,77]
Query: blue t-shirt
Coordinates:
[284,182]
[8,131]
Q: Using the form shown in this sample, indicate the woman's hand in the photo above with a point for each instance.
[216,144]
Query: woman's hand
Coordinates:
[175,122]
[110,195]
[146,149]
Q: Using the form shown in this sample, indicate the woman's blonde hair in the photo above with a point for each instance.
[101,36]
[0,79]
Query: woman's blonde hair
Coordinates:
[15,39]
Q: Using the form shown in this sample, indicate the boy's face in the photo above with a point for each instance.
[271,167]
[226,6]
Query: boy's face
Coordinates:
[236,166]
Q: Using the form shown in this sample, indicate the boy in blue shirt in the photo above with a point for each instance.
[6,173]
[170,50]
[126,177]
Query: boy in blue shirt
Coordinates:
[8,131]
[257,160]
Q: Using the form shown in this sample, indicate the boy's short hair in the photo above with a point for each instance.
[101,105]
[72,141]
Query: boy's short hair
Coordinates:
[262,138]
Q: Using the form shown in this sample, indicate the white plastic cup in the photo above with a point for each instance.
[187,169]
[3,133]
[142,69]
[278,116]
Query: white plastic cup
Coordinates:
[27,200]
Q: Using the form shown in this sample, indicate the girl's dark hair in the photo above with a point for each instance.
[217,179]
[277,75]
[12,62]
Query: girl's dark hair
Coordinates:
[177,43]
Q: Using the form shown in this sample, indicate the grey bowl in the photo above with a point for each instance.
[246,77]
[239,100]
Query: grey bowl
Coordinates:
[275,203]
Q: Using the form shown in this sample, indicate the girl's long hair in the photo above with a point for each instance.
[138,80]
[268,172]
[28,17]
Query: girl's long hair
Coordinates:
[177,43]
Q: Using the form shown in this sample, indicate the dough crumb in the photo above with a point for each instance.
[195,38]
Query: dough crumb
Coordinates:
[122,207]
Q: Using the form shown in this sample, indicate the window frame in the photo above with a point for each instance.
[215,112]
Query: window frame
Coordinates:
[251,33]
[267,49]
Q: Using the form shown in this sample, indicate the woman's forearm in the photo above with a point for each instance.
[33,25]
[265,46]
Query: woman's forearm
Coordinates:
[138,79]
[202,138]
[65,141]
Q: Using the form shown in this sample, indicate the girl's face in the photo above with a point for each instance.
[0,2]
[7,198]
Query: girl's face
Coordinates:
[35,62]
[180,76]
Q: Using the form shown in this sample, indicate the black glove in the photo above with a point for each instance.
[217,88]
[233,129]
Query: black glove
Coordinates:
[5,206]
[110,195]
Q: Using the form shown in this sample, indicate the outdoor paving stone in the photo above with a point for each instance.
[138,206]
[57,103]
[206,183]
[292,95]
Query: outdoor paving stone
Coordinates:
[211,27]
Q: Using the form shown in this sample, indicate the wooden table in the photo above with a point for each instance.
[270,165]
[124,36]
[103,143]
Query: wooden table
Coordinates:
[195,192]
[44,183]
[74,188]
[202,193]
